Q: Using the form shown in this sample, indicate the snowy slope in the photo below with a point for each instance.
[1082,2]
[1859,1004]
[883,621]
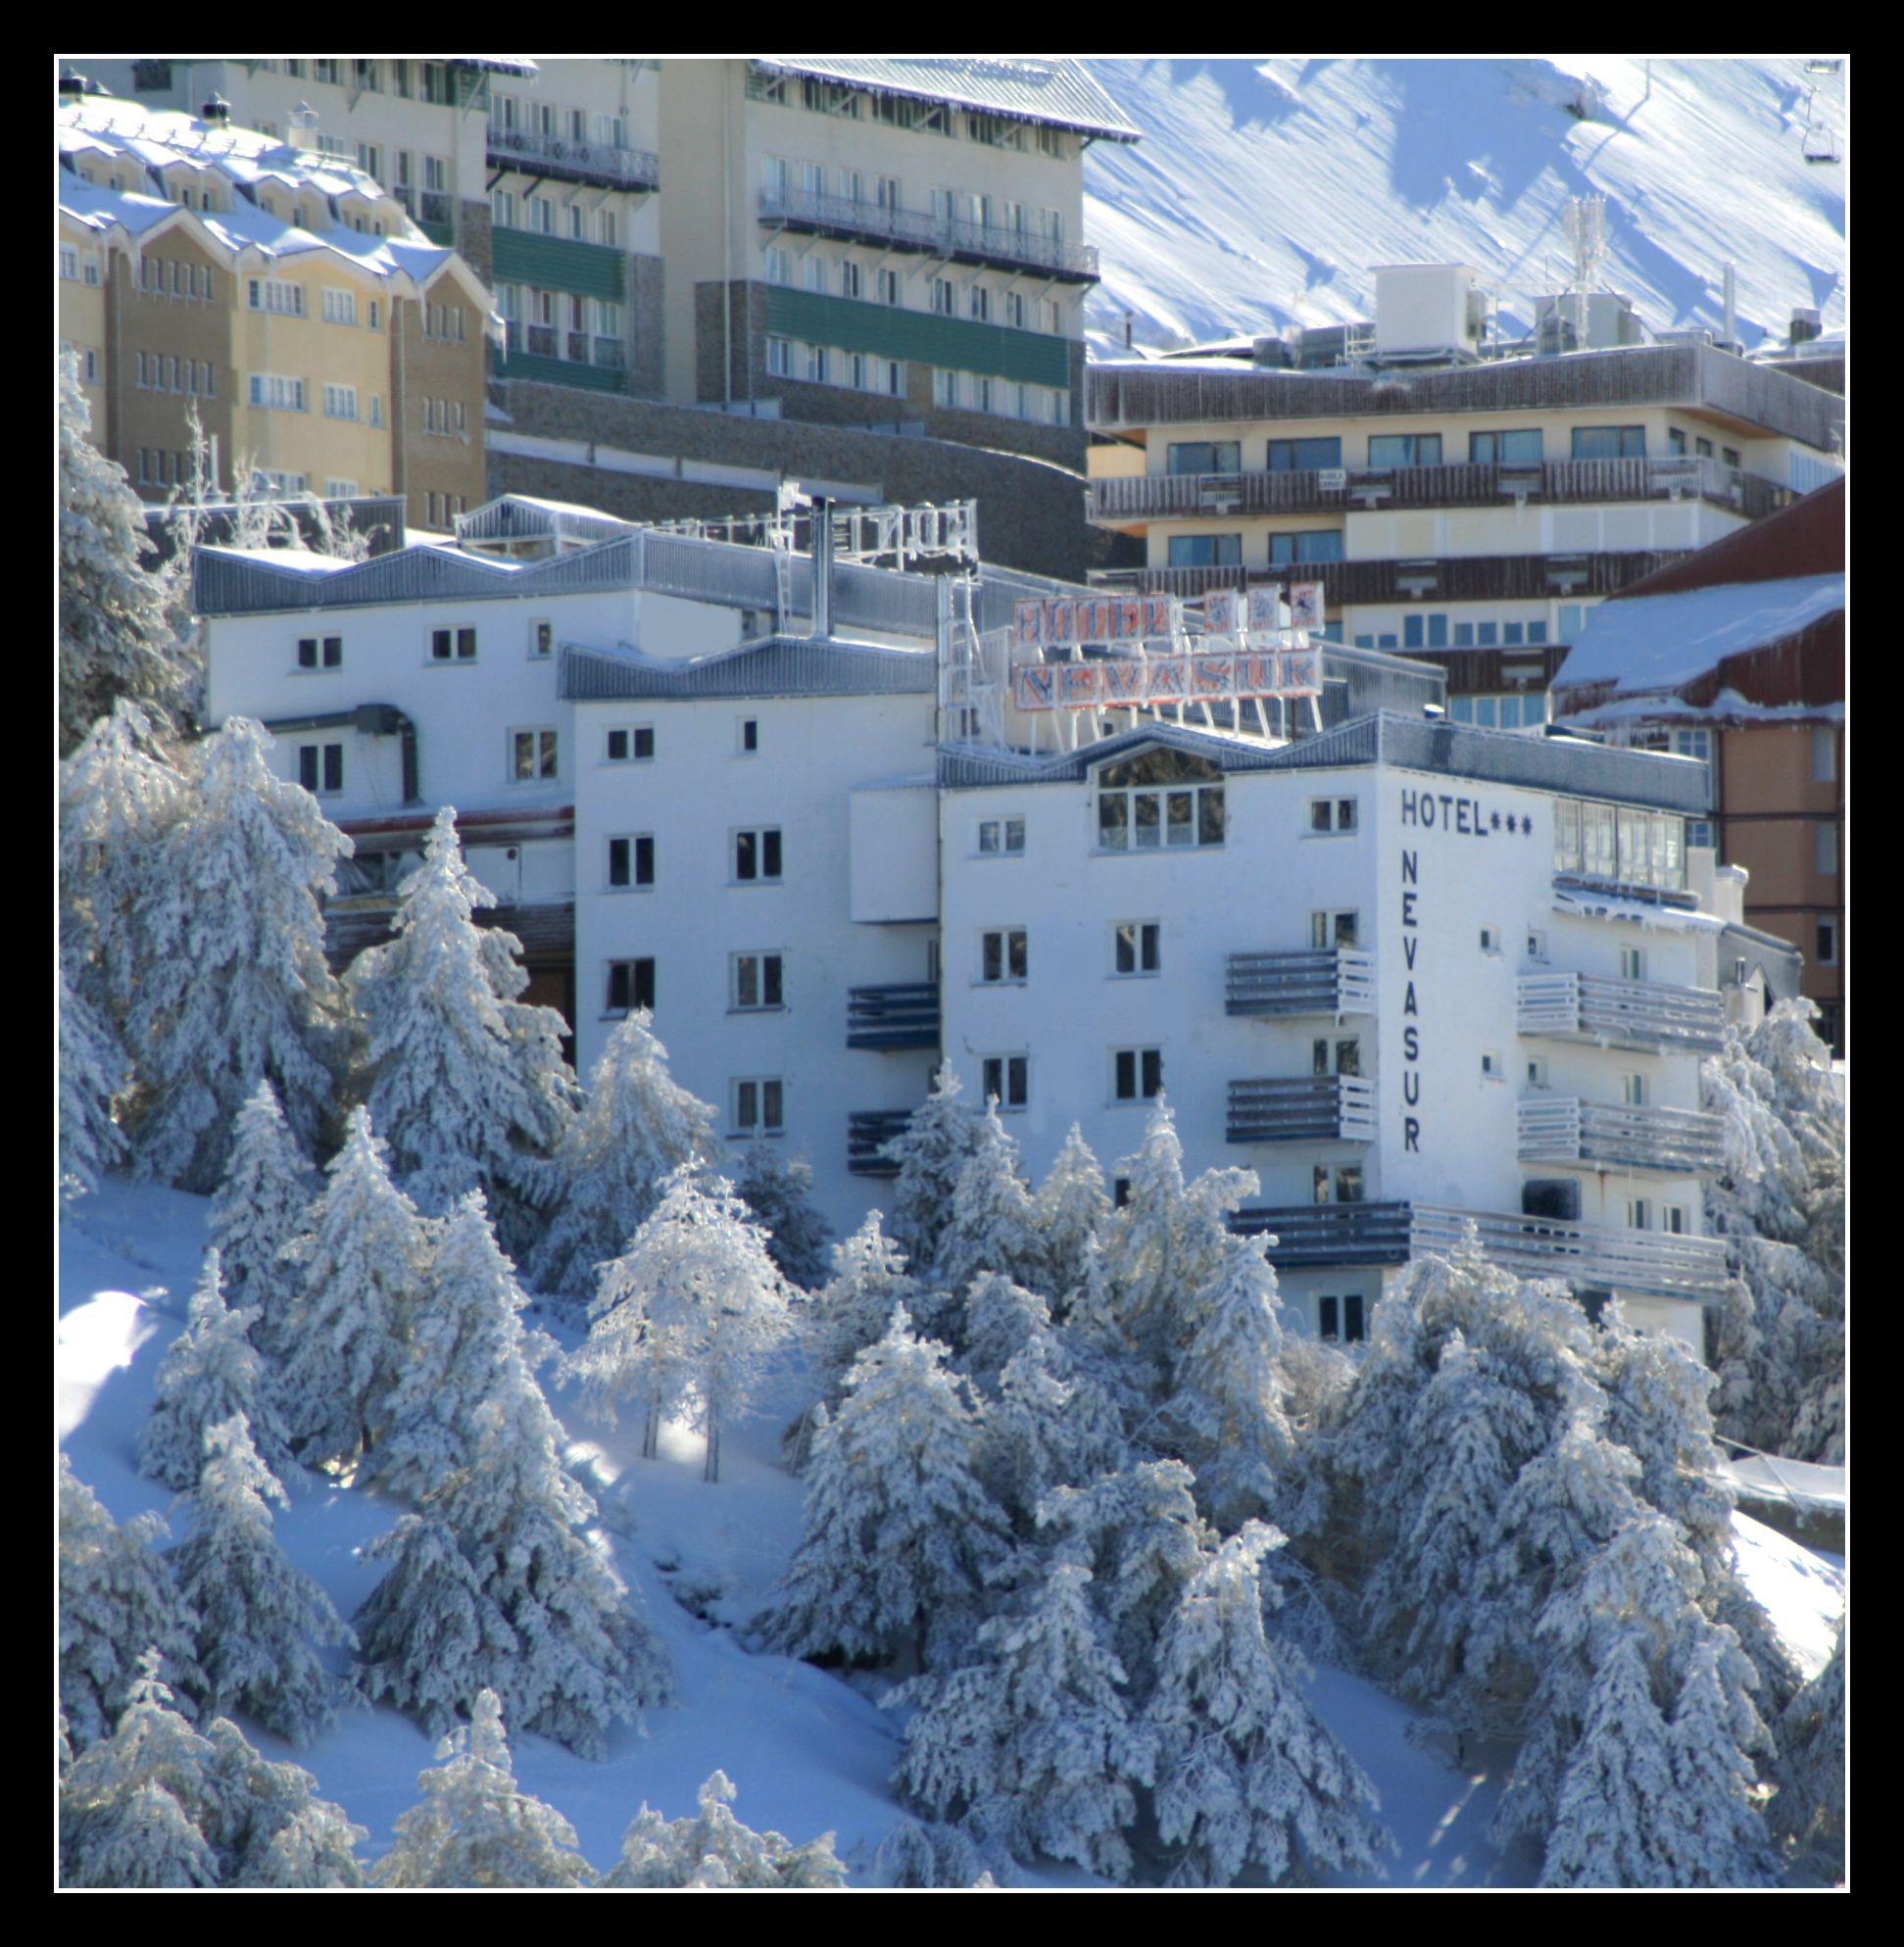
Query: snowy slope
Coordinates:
[1263,193]
[808,1751]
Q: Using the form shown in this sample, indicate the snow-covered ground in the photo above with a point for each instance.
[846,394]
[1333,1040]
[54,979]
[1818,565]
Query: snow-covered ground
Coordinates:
[808,1752]
[1264,192]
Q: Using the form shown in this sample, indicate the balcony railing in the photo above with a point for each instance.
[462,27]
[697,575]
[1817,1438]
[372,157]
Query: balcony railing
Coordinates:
[900,1016]
[1622,1013]
[1311,490]
[1445,579]
[868,1129]
[1335,982]
[1320,1236]
[573,162]
[938,236]
[574,348]
[1562,1129]
[1306,1109]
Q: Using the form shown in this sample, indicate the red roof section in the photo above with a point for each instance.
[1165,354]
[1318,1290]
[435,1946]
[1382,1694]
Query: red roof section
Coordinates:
[1804,539]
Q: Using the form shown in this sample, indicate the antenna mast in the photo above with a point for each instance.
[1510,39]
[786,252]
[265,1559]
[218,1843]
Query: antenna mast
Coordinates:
[1585,223]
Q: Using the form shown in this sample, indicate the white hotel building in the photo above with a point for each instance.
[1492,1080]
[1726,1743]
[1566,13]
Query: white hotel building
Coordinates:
[1407,970]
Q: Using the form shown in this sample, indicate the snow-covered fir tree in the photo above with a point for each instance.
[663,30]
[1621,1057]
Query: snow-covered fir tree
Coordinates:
[93,1071]
[689,1311]
[854,1307]
[1808,1813]
[473,1827]
[266,1825]
[1050,1426]
[117,1600]
[1031,1745]
[1247,1775]
[464,1345]
[917,1853]
[260,1619]
[991,1228]
[897,1533]
[115,639]
[360,1270]
[714,1850]
[1779,1202]
[779,1191]
[1712,1827]
[1001,1319]
[260,1204]
[235,984]
[1071,1209]
[935,1146]
[1226,1414]
[465,1083]
[210,1372]
[636,1126]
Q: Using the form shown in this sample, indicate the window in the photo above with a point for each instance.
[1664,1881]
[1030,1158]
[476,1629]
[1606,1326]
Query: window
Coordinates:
[542,639]
[979,303]
[1632,1090]
[340,490]
[1137,1074]
[1609,442]
[758,1105]
[1337,1055]
[1703,448]
[320,651]
[636,741]
[532,755]
[1338,1184]
[340,402]
[1728,455]
[1405,449]
[1341,1317]
[1485,449]
[1676,442]
[757,856]
[1332,815]
[750,733]
[1825,756]
[1826,954]
[1537,947]
[453,645]
[756,982]
[1003,956]
[887,287]
[997,836]
[1205,550]
[631,861]
[1204,457]
[276,394]
[631,983]
[1296,456]
[1006,1080]
[780,358]
[1825,850]
[1329,930]
[1640,1214]
[340,306]
[1632,963]
[945,296]
[320,767]
[1536,1071]
[1673,1219]
[814,273]
[1490,1068]
[1137,947]
[1490,940]
[275,293]
[1162,798]
[376,399]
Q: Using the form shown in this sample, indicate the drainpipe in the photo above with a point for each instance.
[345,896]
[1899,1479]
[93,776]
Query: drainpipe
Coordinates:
[822,568]
[368,720]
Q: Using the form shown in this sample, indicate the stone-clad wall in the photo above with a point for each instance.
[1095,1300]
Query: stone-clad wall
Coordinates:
[645,325]
[1031,513]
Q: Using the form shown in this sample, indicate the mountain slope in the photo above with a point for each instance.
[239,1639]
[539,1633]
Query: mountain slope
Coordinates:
[1263,193]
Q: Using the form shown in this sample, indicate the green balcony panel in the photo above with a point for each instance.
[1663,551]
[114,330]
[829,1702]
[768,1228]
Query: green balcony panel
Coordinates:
[922,337]
[558,263]
[561,371]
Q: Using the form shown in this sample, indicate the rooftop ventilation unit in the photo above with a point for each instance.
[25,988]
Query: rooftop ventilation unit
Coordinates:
[1428,310]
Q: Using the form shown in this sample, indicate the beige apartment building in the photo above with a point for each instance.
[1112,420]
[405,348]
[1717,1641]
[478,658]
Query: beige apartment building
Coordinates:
[281,295]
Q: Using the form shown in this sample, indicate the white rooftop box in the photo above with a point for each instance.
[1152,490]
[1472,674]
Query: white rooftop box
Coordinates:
[1427,308]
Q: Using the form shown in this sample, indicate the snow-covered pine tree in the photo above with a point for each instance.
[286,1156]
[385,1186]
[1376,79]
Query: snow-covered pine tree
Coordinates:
[1246,1775]
[1225,1415]
[897,1533]
[937,1141]
[464,1345]
[361,1269]
[854,1307]
[235,984]
[689,1311]
[210,1372]
[467,1084]
[117,1600]
[1049,1427]
[714,1849]
[1779,1203]
[1808,1813]
[475,1828]
[1001,1319]
[779,1191]
[262,1202]
[1711,1827]
[260,1618]
[991,1228]
[1070,1209]
[266,1825]
[921,1855]
[93,1071]
[115,639]
[1031,1745]
[636,1126]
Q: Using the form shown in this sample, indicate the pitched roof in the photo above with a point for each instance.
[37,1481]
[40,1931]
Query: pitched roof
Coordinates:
[1052,90]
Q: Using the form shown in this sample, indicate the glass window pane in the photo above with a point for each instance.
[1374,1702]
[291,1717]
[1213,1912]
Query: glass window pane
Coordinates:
[1126,1075]
[1180,809]
[1126,949]
[743,858]
[1148,809]
[1114,813]
[1209,815]
[990,953]
[771,981]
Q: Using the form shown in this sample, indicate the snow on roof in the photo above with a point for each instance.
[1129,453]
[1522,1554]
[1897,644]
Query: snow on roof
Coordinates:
[293,561]
[1610,906]
[1651,643]
[1051,90]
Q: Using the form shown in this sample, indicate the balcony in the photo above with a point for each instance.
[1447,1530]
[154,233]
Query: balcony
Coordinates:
[1558,482]
[555,357]
[958,241]
[556,157]
[1609,1136]
[1322,1236]
[868,1129]
[432,210]
[1307,1109]
[1620,1013]
[901,1016]
[1332,983]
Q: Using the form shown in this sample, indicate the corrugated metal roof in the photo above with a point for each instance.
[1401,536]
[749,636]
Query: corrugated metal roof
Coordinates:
[1031,89]
[774,666]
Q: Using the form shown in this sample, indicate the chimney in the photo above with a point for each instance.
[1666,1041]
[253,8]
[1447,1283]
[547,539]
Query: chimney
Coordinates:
[822,568]
[72,88]
[216,113]
[1806,324]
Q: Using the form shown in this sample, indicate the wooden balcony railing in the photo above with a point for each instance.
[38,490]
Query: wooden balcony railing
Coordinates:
[1443,578]
[868,1129]
[1306,1109]
[1563,1129]
[1335,982]
[1620,1013]
[897,1016]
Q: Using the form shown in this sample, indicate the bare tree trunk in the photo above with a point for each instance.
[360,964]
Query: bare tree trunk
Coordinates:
[651,1432]
[712,1470]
